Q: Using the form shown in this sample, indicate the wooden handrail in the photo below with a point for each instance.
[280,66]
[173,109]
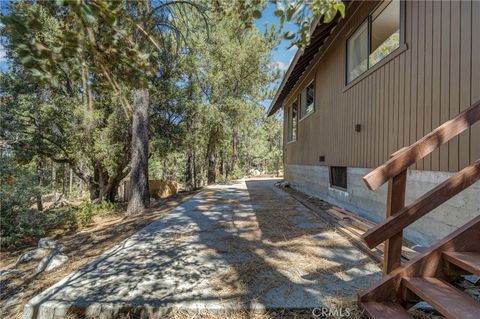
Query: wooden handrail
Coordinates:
[424,204]
[405,158]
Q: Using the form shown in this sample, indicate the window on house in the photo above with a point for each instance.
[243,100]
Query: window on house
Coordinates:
[374,39]
[385,30]
[307,100]
[292,122]
[357,52]
[338,177]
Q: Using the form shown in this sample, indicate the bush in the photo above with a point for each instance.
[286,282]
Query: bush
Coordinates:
[85,212]
[20,222]
[27,224]
[17,217]
[61,218]
[238,173]
[30,223]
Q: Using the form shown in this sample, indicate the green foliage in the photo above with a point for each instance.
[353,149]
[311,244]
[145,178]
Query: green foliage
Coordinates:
[42,121]
[20,221]
[17,193]
[86,211]
[46,37]
[303,13]
[29,224]
[238,172]
[118,41]
[82,60]
[245,11]
[234,78]
[75,64]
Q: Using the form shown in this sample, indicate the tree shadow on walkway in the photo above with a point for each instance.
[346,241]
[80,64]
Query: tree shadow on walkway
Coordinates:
[227,248]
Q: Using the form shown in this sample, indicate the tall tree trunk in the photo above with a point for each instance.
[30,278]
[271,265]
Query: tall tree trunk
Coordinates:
[234,149]
[80,184]
[190,182]
[222,164]
[111,194]
[211,173]
[211,159]
[104,187]
[139,198]
[93,183]
[277,165]
[189,170]
[70,184]
[164,170]
[40,182]
[195,180]
[190,176]
[94,189]
[112,189]
[102,181]
[64,182]
[173,176]
[54,185]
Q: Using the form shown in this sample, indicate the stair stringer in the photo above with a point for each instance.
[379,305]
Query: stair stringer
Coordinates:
[427,264]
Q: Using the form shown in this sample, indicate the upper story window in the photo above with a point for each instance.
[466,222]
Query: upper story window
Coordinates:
[307,100]
[374,39]
[292,120]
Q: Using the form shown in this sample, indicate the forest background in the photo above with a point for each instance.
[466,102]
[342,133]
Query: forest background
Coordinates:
[100,92]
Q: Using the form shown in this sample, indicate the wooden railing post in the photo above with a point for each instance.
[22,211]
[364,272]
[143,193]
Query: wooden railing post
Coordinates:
[395,202]
[423,205]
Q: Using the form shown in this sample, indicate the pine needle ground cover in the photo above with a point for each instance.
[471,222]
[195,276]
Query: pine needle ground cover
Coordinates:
[240,249]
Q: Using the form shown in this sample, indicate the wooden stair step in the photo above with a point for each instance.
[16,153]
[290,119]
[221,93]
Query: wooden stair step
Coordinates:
[469,261]
[446,299]
[385,310]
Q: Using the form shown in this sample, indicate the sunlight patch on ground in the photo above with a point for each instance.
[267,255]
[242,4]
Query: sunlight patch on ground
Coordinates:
[242,246]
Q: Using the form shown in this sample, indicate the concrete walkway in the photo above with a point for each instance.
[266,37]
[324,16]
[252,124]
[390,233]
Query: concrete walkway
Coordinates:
[243,245]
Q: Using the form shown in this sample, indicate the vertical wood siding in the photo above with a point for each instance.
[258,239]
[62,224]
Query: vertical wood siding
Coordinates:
[437,77]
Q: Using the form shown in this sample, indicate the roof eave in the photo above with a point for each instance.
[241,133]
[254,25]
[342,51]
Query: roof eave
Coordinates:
[297,56]
[270,111]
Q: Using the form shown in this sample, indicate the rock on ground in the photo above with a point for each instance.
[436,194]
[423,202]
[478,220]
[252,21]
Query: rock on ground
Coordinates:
[31,255]
[49,251]
[7,271]
[48,243]
[53,260]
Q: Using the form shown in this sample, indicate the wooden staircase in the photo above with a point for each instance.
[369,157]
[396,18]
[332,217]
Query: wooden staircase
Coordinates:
[429,275]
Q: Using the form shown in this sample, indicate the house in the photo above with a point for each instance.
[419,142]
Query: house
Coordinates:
[372,83]
[390,96]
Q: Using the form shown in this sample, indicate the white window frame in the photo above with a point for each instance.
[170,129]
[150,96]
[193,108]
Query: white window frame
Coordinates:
[303,96]
[290,138]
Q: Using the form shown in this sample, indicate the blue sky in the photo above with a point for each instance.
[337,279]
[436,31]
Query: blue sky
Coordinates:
[282,55]
[3,61]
